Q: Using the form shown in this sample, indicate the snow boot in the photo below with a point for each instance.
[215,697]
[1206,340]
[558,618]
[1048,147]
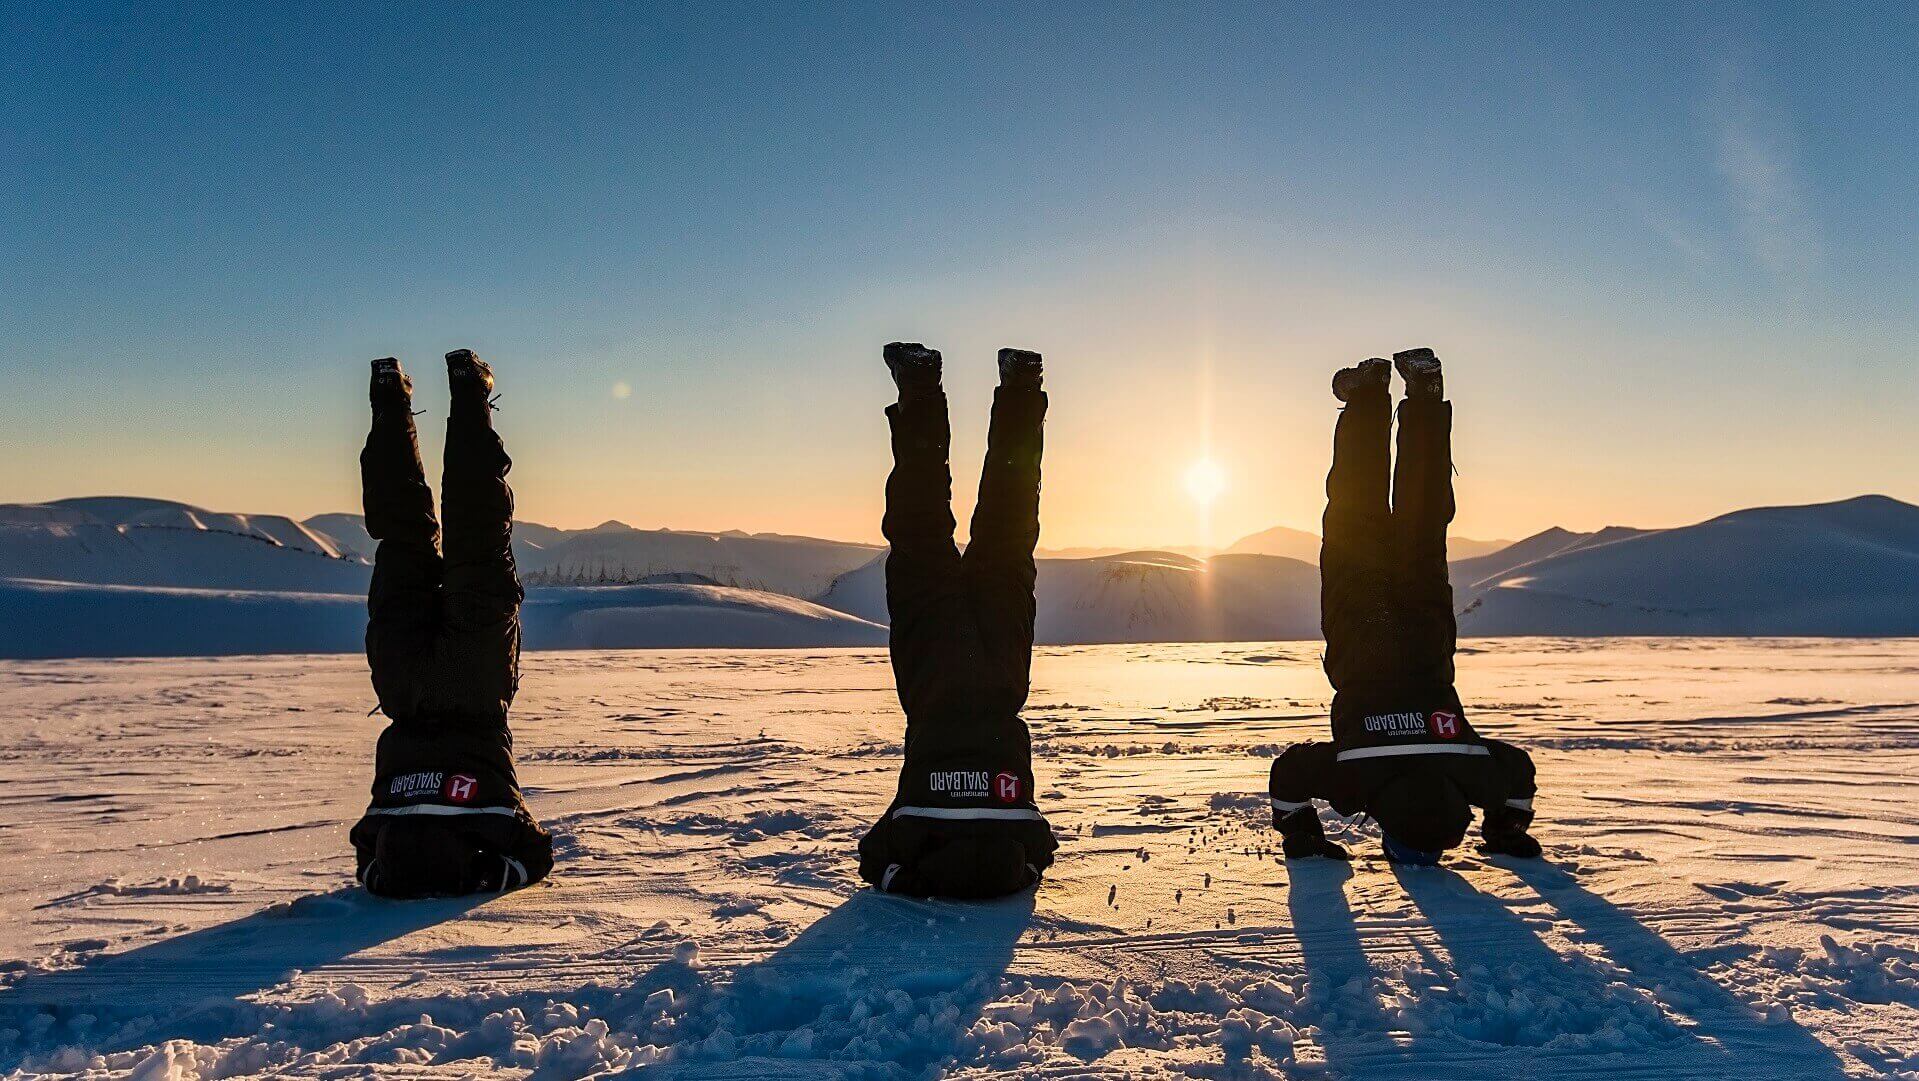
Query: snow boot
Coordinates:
[1301,836]
[915,368]
[1503,833]
[1420,369]
[1364,378]
[1019,368]
[390,389]
[469,377]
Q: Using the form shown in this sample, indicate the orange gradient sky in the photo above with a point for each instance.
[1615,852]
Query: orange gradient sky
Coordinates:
[1670,276]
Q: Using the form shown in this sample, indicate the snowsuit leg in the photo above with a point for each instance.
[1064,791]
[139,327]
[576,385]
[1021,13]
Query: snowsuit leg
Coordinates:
[1306,772]
[403,600]
[1423,508]
[478,665]
[1518,781]
[930,637]
[999,568]
[1356,550]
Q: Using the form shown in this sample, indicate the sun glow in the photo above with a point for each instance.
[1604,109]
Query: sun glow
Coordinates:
[1205,481]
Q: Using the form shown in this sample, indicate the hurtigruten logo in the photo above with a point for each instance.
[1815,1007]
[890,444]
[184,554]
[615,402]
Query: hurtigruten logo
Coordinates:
[966,784]
[1397,724]
[975,784]
[408,785]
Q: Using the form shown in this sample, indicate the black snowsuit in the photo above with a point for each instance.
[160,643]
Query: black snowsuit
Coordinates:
[964,822]
[1386,608]
[443,642]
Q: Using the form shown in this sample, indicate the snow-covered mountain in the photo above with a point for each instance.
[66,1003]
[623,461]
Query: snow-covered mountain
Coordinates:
[128,576]
[122,540]
[155,542]
[1470,571]
[1279,541]
[614,552]
[795,566]
[123,576]
[1299,544]
[1143,597]
[1847,568]
[1161,597]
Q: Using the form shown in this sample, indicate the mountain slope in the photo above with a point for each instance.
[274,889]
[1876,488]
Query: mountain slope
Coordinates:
[120,541]
[1279,541]
[796,566]
[1469,572]
[1299,544]
[1158,597]
[1143,597]
[617,552]
[1847,568]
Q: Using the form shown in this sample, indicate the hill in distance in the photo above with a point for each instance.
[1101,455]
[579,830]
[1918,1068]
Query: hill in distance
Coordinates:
[118,575]
[1143,597]
[1849,568]
[124,576]
[1299,544]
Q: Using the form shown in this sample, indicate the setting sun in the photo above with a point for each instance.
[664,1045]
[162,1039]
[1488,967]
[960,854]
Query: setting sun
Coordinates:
[1205,481]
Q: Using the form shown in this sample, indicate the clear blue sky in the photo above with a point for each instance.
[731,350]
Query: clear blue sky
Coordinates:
[1668,252]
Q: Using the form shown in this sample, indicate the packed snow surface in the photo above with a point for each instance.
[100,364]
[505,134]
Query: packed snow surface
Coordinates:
[1731,886]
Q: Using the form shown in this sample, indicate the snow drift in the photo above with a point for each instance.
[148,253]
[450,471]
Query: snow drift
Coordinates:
[85,619]
[73,619]
[673,616]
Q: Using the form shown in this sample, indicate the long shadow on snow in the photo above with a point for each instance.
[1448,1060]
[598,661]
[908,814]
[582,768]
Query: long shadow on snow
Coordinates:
[1733,1038]
[1339,977]
[1529,1010]
[1547,1013]
[190,987]
[884,982]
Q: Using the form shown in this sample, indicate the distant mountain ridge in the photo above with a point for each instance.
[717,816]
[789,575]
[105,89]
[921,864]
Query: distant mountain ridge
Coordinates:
[120,541]
[1470,572]
[1299,544]
[120,573]
[1143,597]
[1849,568]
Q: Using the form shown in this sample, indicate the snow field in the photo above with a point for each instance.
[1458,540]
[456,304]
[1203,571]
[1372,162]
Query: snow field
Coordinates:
[1730,887]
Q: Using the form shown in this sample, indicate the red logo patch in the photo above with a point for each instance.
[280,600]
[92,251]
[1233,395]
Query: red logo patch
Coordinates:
[1444,725]
[1006,787]
[460,788]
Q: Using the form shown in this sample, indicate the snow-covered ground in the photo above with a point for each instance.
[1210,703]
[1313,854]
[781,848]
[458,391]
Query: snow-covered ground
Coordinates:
[1732,888]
